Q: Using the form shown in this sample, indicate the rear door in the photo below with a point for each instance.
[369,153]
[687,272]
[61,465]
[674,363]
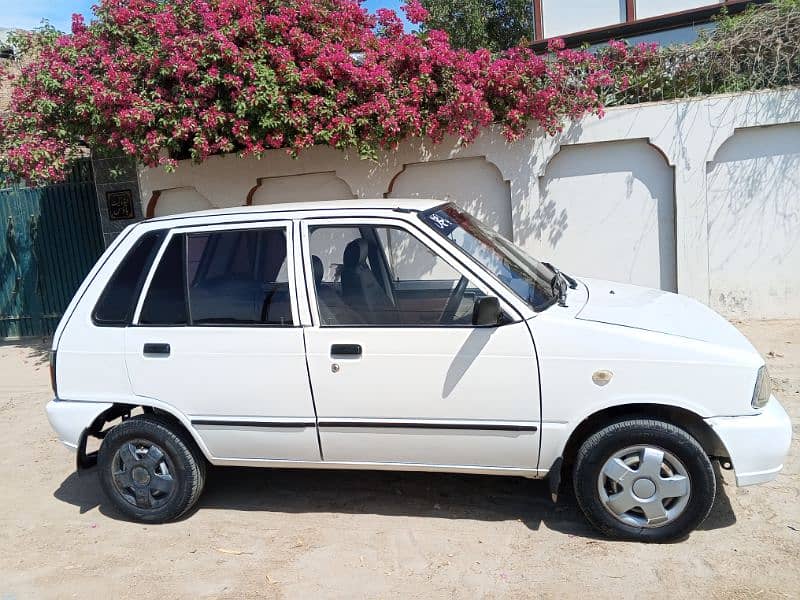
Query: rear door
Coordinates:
[216,334]
[399,373]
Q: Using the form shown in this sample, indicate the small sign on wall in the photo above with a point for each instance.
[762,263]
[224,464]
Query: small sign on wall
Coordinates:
[120,205]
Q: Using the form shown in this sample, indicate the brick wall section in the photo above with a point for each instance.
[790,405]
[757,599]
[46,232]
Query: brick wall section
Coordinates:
[5,89]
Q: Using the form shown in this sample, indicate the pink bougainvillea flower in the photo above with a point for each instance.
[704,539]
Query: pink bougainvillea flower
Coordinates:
[415,12]
[166,81]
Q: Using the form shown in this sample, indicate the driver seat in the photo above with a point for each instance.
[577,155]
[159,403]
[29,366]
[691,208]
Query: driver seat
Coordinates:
[361,290]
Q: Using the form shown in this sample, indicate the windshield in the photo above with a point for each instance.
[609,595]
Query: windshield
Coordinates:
[524,275]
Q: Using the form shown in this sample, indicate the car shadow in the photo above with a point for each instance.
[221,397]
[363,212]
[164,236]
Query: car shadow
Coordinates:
[432,495]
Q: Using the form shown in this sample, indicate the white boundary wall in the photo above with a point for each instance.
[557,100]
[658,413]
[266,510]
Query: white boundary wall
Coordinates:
[699,196]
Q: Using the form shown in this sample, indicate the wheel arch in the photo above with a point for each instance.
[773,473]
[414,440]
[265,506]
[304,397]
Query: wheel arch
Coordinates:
[120,409]
[689,421]
[684,418]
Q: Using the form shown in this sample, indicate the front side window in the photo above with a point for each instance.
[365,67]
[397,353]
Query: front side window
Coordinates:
[384,276]
[525,276]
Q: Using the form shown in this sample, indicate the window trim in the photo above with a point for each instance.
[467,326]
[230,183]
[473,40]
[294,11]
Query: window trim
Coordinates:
[186,230]
[133,248]
[477,276]
[185,276]
[146,287]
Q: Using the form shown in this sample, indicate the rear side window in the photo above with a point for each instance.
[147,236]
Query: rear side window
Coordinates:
[118,300]
[233,278]
[239,278]
[166,298]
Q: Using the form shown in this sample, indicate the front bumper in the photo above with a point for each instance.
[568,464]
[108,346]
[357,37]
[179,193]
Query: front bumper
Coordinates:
[757,444]
[69,419]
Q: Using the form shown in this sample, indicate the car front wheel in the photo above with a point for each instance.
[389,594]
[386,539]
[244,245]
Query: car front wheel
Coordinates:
[151,471]
[644,480]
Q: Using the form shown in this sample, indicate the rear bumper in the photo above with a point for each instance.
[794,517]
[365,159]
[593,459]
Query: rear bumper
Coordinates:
[757,444]
[69,419]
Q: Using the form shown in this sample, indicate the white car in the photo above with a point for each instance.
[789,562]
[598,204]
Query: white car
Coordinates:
[401,335]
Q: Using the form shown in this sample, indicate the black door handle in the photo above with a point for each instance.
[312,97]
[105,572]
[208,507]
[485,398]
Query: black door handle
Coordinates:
[345,350]
[157,349]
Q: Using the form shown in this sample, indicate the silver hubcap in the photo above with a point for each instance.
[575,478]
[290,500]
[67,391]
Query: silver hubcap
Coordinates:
[644,486]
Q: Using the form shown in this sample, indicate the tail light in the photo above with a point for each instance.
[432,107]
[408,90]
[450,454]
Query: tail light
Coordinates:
[53,373]
[763,389]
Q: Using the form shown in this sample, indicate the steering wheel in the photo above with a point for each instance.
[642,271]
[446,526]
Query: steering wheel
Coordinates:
[454,301]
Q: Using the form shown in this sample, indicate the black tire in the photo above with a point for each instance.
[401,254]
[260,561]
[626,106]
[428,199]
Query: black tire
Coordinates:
[602,446]
[182,464]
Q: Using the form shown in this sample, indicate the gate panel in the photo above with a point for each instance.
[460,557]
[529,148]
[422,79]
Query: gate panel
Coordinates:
[51,238]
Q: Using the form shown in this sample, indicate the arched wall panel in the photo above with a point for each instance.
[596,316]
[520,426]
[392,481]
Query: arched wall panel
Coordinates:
[753,192]
[178,200]
[607,210]
[310,187]
[475,184]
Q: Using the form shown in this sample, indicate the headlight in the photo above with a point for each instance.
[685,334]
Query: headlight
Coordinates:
[763,388]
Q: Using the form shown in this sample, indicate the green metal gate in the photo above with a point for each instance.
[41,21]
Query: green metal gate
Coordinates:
[49,241]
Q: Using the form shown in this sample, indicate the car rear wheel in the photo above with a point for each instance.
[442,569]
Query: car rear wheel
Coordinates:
[150,471]
[644,480]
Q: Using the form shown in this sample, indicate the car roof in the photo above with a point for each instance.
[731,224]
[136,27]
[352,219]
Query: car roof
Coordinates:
[301,208]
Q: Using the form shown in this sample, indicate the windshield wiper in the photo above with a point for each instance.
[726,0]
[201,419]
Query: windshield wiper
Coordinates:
[559,284]
[559,287]
[573,284]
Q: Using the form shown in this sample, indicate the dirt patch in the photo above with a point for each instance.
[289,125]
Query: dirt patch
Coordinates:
[287,534]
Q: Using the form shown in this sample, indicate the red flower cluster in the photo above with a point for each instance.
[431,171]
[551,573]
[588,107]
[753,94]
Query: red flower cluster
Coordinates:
[163,81]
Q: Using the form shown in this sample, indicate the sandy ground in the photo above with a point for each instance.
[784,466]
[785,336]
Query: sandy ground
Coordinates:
[300,534]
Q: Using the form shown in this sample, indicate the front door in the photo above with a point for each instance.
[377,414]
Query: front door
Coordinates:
[217,336]
[399,373]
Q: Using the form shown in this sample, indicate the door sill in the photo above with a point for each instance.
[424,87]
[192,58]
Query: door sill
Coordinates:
[376,466]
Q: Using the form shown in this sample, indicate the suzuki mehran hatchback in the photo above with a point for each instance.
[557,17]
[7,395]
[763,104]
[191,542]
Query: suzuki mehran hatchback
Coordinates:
[400,335]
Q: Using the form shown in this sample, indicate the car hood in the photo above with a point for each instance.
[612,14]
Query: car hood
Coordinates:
[659,311]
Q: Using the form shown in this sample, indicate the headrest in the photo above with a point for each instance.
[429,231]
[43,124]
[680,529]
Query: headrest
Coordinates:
[318,268]
[356,253]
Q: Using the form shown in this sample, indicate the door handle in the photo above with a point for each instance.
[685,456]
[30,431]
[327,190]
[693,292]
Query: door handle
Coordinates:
[346,350]
[156,349]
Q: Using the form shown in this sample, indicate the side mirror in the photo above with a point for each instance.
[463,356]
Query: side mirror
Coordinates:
[487,312]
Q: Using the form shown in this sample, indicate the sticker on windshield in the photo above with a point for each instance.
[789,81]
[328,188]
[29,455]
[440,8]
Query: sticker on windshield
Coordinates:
[441,222]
